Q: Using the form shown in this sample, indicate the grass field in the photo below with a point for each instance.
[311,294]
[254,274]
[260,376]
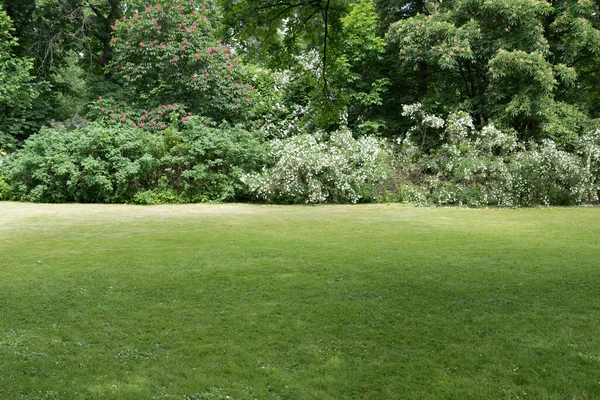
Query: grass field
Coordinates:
[269,302]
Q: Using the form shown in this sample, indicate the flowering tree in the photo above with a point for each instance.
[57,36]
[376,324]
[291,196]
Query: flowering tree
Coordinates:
[167,52]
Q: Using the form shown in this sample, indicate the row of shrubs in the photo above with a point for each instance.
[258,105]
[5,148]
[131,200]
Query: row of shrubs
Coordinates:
[203,161]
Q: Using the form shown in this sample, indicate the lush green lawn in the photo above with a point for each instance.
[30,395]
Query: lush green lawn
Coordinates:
[373,302]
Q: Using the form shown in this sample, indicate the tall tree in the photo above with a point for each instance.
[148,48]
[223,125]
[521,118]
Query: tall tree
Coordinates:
[493,59]
[18,88]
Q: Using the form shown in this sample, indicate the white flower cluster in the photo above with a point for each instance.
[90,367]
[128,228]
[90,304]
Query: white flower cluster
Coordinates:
[412,111]
[310,169]
[458,126]
[292,124]
[415,112]
[490,138]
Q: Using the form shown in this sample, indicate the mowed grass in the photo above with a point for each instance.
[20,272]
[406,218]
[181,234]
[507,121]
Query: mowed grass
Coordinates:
[270,302]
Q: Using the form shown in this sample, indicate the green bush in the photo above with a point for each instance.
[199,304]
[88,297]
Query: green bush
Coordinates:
[5,188]
[92,164]
[206,162]
[120,164]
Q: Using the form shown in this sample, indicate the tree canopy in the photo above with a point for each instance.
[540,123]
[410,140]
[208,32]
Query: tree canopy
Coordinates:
[310,75]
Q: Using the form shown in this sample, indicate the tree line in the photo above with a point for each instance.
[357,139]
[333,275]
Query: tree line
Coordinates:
[379,83]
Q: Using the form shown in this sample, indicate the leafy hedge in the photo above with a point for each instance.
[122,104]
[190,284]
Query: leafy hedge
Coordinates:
[202,162]
[197,160]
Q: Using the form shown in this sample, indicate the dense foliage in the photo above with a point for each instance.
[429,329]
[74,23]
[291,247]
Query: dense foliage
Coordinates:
[172,55]
[18,88]
[468,102]
[107,164]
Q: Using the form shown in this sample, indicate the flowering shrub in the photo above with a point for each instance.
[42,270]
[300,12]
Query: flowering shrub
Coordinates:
[488,166]
[113,113]
[168,52]
[546,175]
[310,169]
[423,121]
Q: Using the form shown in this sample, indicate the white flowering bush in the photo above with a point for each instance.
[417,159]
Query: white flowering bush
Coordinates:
[489,167]
[311,168]
[588,149]
[423,122]
[462,168]
[287,121]
[546,175]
